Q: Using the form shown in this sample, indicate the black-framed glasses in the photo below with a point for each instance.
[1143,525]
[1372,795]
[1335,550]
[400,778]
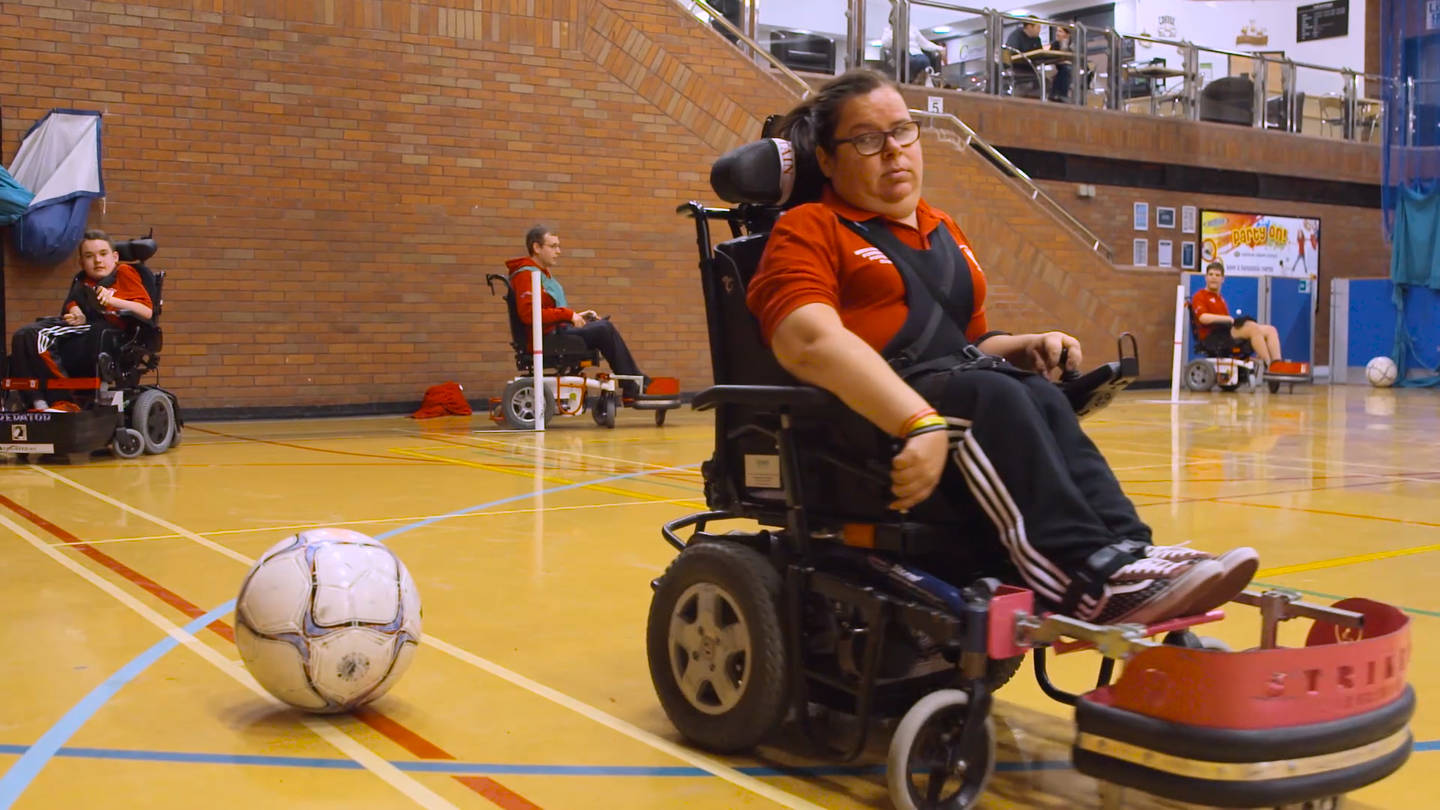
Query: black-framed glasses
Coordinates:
[870,143]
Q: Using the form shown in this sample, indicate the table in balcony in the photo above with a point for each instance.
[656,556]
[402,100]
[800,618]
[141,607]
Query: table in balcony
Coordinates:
[1038,60]
[1157,72]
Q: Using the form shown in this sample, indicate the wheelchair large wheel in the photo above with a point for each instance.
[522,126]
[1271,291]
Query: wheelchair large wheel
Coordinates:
[929,767]
[1199,375]
[128,443]
[153,415]
[605,408]
[716,652]
[517,404]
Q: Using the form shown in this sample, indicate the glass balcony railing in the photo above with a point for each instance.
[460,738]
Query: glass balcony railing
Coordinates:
[981,50]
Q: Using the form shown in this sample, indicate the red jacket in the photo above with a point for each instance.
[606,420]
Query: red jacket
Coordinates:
[521,281]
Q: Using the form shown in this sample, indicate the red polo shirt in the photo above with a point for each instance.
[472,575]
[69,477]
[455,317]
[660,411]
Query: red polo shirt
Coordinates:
[1205,302]
[812,258]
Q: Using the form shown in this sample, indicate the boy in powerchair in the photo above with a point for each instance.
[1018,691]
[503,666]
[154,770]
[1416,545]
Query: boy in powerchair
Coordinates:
[849,296]
[68,345]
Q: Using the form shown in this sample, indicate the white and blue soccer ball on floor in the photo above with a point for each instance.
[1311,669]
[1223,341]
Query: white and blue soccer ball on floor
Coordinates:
[1381,372]
[328,620]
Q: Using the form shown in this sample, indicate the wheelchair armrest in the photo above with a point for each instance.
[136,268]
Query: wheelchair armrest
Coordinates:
[1094,389]
[775,396]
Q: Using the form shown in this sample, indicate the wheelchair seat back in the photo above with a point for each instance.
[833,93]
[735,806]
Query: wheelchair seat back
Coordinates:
[1197,343]
[843,459]
[562,354]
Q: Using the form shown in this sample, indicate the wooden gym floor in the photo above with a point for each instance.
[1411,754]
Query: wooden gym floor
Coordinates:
[533,557]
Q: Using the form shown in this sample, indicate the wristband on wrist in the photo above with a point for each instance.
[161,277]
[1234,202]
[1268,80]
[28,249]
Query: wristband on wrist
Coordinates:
[925,424]
[910,423]
[928,427]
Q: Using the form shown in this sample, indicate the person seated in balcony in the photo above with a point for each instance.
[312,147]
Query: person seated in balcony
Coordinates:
[1025,38]
[1061,40]
[924,55]
[849,296]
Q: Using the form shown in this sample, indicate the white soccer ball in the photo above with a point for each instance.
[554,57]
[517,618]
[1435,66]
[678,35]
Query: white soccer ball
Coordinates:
[1381,372]
[327,620]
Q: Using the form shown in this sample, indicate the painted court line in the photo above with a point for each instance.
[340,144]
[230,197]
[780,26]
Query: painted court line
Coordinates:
[296,527]
[24,770]
[325,730]
[491,768]
[709,765]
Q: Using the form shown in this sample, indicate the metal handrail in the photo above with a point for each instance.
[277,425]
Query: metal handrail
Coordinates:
[716,16]
[972,139]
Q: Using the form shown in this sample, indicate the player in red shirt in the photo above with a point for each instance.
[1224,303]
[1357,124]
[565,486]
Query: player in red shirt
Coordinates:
[542,248]
[102,293]
[1216,323]
[876,296]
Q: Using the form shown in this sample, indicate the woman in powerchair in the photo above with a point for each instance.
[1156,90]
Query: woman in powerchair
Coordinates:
[848,296]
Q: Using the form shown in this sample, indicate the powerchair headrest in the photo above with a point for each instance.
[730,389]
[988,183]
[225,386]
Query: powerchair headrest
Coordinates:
[136,250]
[762,173]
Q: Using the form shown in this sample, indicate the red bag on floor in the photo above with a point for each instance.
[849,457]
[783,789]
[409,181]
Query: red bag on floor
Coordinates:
[441,400]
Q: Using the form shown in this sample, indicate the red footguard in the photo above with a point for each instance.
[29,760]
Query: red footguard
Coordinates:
[1261,727]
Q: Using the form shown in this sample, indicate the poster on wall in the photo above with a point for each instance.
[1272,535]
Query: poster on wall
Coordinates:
[1260,244]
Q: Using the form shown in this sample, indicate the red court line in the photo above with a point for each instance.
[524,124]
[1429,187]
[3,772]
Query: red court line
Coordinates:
[497,793]
[394,731]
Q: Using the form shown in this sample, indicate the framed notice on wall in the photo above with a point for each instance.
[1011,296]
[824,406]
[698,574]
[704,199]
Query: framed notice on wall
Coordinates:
[1322,20]
[1260,244]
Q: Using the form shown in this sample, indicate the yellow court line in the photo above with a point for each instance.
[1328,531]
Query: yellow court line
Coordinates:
[1337,562]
[712,766]
[325,729]
[553,479]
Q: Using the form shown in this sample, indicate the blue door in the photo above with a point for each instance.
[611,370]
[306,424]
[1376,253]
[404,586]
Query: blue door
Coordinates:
[1292,311]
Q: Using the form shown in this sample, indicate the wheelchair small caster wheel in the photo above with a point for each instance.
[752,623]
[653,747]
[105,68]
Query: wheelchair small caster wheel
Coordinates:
[605,407]
[1200,375]
[128,443]
[930,766]
[660,416]
[1322,803]
[1189,640]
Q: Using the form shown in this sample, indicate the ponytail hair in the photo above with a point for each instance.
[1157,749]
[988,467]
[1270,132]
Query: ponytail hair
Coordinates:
[811,124]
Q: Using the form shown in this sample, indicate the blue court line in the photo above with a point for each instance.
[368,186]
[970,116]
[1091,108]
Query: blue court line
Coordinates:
[20,774]
[523,496]
[449,767]
[24,771]
[487,768]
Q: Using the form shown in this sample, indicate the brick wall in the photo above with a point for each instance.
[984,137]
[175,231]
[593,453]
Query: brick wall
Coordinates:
[330,181]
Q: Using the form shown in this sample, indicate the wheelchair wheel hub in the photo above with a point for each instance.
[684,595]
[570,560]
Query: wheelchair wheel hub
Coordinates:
[710,645]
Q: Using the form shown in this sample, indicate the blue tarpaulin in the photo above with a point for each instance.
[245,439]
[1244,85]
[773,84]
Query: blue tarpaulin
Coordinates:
[59,160]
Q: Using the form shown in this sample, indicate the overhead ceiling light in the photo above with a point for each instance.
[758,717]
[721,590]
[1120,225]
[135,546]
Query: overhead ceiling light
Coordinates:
[941,29]
[877,42]
[1019,12]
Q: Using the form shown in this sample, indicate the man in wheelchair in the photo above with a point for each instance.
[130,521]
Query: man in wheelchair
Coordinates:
[542,247]
[875,296]
[102,294]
